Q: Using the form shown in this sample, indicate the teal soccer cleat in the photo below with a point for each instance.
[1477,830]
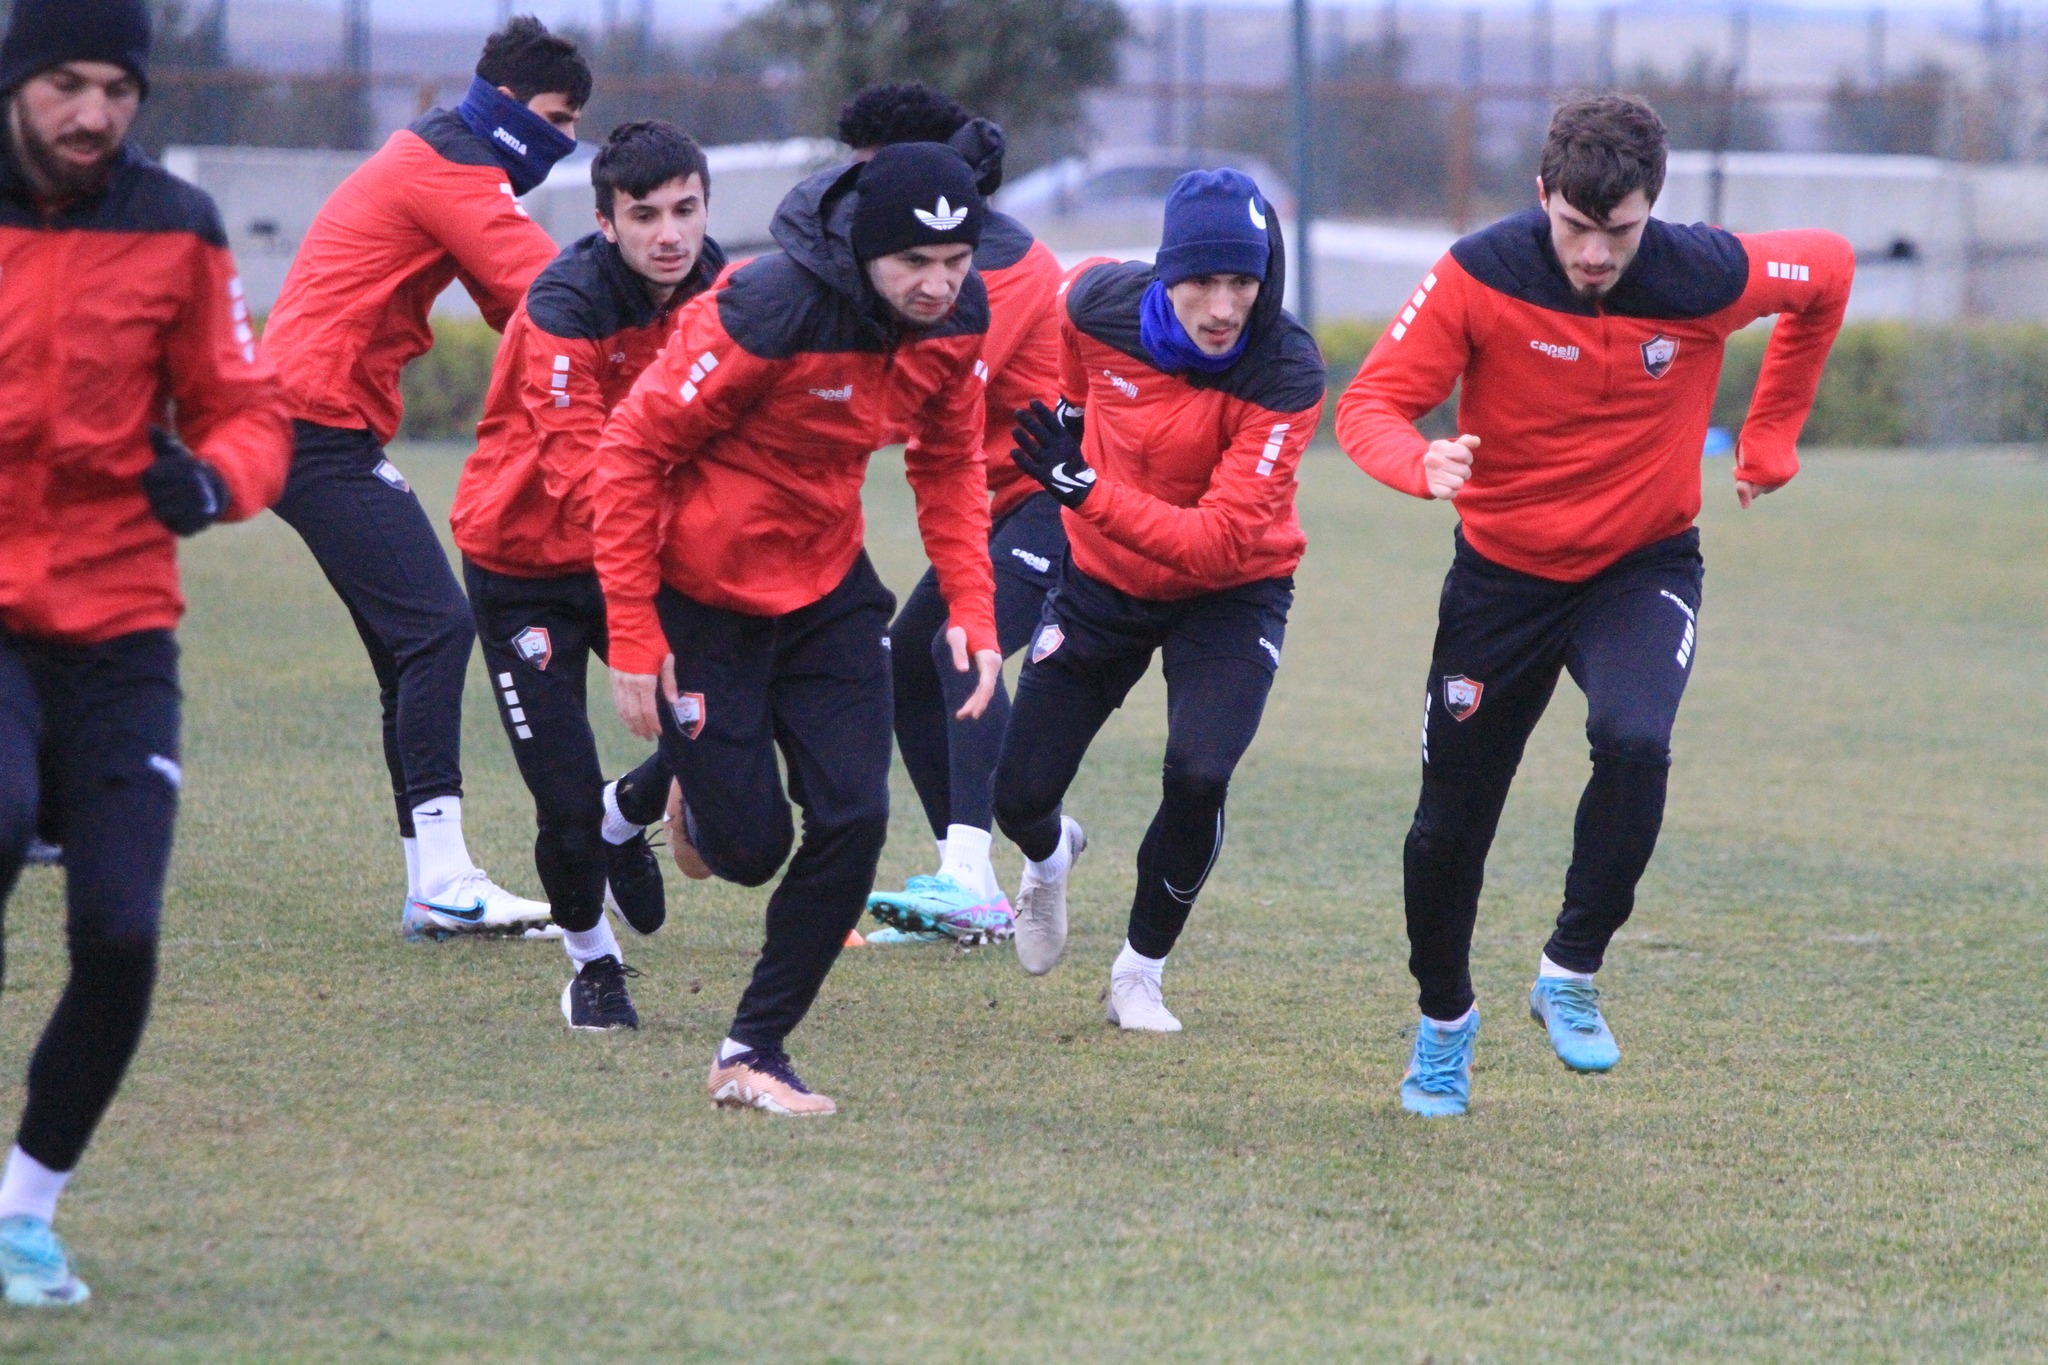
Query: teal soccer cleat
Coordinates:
[940,905]
[35,1266]
[1569,1007]
[1439,1080]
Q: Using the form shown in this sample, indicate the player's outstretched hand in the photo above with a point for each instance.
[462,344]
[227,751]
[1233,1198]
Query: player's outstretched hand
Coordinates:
[986,661]
[1447,464]
[1051,453]
[185,493]
[635,695]
[1747,492]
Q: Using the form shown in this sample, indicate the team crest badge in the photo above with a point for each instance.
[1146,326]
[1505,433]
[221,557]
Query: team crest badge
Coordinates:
[1658,353]
[534,646]
[388,472]
[689,713]
[1461,696]
[1048,642]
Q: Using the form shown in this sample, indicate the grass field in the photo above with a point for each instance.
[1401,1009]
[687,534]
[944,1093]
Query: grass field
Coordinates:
[1824,1141]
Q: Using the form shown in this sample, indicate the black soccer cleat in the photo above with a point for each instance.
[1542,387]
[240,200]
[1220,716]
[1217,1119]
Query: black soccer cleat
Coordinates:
[595,1000]
[633,877]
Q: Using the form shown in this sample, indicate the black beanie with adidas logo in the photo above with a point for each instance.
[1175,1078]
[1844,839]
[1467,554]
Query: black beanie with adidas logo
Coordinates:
[915,194]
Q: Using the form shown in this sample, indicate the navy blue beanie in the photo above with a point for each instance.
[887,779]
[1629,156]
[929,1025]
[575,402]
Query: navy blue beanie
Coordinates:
[47,33]
[1215,225]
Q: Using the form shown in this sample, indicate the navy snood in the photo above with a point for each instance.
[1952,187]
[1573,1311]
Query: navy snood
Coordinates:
[527,145]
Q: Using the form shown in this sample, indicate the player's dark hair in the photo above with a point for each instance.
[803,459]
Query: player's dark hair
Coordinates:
[901,111]
[642,156]
[526,59]
[1600,149]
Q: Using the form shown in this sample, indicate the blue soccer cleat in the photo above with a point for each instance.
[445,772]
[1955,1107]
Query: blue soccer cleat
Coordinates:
[1439,1080]
[35,1266]
[1569,1006]
[941,905]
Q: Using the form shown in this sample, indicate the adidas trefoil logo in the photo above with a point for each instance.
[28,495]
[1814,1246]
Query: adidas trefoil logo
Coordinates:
[943,217]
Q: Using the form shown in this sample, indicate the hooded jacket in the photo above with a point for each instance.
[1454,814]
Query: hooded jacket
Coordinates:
[1592,416]
[1195,473]
[761,416]
[584,334]
[433,206]
[119,307]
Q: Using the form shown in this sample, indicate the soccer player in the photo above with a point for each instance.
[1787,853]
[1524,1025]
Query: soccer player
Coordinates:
[1588,337]
[437,204]
[590,324]
[950,757]
[123,304]
[744,614]
[1189,397]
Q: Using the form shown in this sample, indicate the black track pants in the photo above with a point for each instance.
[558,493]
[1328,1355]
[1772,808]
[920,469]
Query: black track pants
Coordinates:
[89,750]
[1627,637]
[814,685]
[952,761]
[538,635]
[374,542]
[1220,651]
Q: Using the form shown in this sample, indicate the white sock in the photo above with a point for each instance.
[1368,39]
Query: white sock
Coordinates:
[730,1049]
[992,885]
[617,828]
[412,868]
[942,854]
[1545,967]
[966,860]
[444,857]
[30,1187]
[1453,1025]
[1131,962]
[1055,867]
[591,944]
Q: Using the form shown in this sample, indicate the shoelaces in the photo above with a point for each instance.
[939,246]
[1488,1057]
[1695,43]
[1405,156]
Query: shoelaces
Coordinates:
[608,978]
[1576,1004]
[775,1062]
[1437,1058]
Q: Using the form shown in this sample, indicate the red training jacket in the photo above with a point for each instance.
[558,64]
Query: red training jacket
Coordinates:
[767,405]
[585,332]
[1592,417]
[433,206]
[1022,349]
[118,307]
[1195,474]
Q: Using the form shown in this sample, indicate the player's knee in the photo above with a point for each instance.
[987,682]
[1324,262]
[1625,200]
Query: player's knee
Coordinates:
[1018,802]
[1436,842]
[1197,780]
[1630,739]
[751,857]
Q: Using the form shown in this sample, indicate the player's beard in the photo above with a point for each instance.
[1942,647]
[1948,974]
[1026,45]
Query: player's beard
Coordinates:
[67,182]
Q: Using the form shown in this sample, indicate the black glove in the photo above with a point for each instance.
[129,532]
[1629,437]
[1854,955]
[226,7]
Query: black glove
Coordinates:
[1050,452]
[186,493]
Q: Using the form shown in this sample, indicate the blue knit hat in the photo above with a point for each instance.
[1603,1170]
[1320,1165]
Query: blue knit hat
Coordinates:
[47,33]
[1215,225]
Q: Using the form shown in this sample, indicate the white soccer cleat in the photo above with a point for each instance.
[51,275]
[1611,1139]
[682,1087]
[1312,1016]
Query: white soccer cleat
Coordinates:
[475,905]
[1135,1004]
[1041,934]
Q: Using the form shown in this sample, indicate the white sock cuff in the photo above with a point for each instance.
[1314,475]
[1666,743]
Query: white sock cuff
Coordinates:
[731,1048]
[1453,1025]
[591,944]
[967,841]
[1545,967]
[29,1187]
[617,828]
[1132,962]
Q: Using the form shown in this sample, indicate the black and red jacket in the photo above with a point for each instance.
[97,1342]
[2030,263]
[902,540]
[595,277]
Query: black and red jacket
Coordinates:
[1592,416]
[733,470]
[1021,350]
[119,309]
[1195,473]
[434,205]
[575,347]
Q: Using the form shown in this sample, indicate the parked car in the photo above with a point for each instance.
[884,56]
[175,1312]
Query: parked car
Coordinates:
[1118,196]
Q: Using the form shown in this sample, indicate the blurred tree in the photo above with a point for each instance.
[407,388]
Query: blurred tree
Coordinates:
[1025,63]
[1704,108]
[191,38]
[715,93]
[1902,117]
[1381,147]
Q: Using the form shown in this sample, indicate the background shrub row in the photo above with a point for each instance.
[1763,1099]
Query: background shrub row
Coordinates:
[1887,384]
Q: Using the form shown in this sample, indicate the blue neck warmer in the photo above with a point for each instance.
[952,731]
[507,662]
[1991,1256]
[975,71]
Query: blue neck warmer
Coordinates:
[1169,344]
[526,144]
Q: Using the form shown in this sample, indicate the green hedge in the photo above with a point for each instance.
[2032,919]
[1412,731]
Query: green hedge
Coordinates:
[1887,384]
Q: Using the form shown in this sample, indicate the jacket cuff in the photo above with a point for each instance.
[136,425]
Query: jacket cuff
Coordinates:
[1758,463]
[637,644]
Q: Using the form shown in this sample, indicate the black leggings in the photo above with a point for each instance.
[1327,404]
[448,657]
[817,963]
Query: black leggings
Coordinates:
[89,751]
[1627,637]
[951,762]
[1220,654]
[538,635]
